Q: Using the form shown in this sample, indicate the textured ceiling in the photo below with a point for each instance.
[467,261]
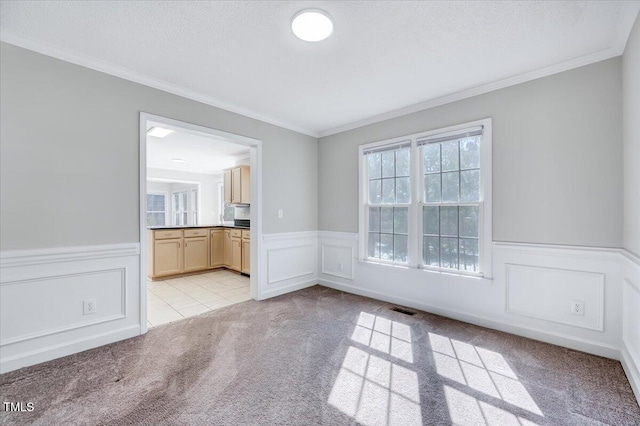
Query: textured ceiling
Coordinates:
[383,56]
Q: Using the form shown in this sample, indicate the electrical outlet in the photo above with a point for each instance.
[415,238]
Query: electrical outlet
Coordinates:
[89,306]
[339,266]
[577,307]
[280,213]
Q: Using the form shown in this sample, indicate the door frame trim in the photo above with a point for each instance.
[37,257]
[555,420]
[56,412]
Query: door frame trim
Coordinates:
[255,150]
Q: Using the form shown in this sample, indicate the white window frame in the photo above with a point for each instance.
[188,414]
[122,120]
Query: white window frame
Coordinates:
[415,208]
[174,209]
[167,214]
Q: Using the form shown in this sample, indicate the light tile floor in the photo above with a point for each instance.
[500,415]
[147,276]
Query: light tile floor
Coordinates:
[177,298]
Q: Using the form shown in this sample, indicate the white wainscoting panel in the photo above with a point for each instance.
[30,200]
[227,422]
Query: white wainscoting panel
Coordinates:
[289,263]
[338,254]
[559,275]
[42,294]
[631,322]
[547,293]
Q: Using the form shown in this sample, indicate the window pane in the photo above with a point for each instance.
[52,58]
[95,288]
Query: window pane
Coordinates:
[386,219]
[388,164]
[155,219]
[401,220]
[431,220]
[450,187]
[431,251]
[470,153]
[400,248]
[449,156]
[469,255]
[470,185]
[375,191]
[386,246]
[402,162]
[449,253]
[374,219]
[374,245]
[431,158]
[449,221]
[403,194]
[155,202]
[375,166]
[432,188]
[388,191]
[469,221]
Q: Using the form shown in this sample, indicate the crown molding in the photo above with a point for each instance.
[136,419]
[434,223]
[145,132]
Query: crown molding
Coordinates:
[478,90]
[628,14]
[97,65]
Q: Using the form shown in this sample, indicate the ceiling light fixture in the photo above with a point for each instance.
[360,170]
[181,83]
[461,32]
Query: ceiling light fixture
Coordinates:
[178,160]
[159,132]
[312,25]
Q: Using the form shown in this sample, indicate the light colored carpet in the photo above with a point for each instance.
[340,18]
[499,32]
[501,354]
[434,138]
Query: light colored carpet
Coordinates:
[320,356]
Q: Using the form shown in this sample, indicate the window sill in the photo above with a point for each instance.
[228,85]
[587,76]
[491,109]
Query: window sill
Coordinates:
[479,277]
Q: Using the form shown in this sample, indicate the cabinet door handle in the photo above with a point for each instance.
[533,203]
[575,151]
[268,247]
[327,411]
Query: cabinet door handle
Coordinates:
[186,244]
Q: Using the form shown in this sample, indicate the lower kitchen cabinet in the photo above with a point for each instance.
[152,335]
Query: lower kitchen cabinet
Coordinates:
[178,251]
[226,260]
[236,254]
[166,257]
[196,254]
[246,256]
[217,248]
[246,252]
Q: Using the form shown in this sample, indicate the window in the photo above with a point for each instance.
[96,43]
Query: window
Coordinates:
[389,197]
[194,205]
[426,200]
[180,208]
[156,209]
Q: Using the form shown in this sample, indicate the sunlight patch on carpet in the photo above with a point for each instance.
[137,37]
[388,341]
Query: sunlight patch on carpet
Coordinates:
[376,390]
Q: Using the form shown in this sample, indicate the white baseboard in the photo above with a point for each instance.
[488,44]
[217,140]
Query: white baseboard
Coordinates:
[632,371]
[290,288]
[67,348]
[571,342]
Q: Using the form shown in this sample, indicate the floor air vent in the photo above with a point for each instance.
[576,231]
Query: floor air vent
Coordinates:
[402,311]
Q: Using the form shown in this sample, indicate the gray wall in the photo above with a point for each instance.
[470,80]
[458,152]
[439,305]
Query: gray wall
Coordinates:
[631,129]
[69,151]
[557,158]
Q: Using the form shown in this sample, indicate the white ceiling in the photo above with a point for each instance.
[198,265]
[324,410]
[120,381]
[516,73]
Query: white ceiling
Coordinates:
[384,58]
[204,153]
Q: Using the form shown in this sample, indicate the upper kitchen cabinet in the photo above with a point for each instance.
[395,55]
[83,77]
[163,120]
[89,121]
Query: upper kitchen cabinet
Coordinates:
[237,185]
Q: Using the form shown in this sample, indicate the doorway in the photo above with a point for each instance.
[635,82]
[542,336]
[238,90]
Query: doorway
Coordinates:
[182,220]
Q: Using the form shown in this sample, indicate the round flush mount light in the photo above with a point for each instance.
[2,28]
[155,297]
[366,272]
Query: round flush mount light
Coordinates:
[178,160]
[312,25]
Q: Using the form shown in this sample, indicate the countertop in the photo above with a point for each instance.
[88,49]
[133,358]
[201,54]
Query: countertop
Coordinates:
[197,226]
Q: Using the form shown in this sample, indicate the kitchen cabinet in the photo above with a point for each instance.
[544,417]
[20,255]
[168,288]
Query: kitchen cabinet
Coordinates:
[196,253]
[167,257]
[235,262]
[178,251]
[227,247]
[237,185]
[246,252]
[216,258]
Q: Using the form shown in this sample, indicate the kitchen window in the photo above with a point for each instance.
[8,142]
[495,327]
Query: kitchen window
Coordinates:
[156,208]
[180,208]
[426,200]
